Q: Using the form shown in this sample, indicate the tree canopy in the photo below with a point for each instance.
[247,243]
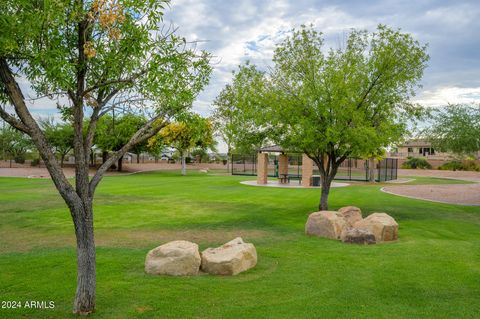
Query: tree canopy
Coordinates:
[235,116]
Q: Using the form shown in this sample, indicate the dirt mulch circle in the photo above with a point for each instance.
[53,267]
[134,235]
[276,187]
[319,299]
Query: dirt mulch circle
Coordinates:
[461,194]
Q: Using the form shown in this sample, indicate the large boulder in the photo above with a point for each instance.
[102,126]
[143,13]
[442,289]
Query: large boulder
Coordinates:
[232,258]
[176,258]
[358,236]
[383,226]
[328,224]
[351,214]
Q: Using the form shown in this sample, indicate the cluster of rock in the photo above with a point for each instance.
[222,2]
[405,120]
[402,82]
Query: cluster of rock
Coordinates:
[182,258]
[347,225]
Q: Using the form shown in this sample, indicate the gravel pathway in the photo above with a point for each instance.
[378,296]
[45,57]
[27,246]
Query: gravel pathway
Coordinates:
[463,194]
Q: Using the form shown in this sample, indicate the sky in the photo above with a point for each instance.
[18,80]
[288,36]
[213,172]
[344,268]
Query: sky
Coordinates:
[236,31]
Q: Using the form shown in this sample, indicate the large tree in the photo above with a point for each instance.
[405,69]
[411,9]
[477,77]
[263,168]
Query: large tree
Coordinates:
[340,103]
[456,129]
[93,56]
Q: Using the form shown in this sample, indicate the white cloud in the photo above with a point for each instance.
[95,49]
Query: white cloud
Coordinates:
[449,95]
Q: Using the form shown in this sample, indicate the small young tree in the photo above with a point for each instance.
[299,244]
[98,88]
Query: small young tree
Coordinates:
[192,131]
[93,56]
[456,129]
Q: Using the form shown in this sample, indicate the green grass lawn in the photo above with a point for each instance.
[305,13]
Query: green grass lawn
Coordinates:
[433,271]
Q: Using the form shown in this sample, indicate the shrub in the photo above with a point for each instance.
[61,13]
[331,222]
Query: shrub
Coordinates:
[20,159]
[413,162]
[35,162]
[460,166]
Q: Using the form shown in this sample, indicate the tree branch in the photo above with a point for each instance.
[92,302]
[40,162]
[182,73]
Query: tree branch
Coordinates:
[140,136]
[117,81]
[33,130]
[14,122]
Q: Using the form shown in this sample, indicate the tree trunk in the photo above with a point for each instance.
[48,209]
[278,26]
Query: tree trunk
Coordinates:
[119,166]
[84,303]
[228,159]
[184,165]
[326,183]
[62,159]
[138,158]
[104,156]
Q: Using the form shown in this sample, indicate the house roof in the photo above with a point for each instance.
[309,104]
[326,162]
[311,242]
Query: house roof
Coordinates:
[417,143]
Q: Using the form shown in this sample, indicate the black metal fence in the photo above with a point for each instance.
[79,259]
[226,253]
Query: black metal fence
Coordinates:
[244,164]
[247,165]
[352,169]
[387,169]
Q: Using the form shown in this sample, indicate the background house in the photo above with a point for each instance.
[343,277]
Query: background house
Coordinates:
[419,148]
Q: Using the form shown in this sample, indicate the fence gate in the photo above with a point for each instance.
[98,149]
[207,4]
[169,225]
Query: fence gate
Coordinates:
[387,169]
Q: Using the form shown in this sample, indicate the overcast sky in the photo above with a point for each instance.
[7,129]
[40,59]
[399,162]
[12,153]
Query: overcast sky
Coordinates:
[235,31]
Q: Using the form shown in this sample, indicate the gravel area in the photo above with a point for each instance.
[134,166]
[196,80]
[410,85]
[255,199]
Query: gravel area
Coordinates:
[467,176]
[463,194]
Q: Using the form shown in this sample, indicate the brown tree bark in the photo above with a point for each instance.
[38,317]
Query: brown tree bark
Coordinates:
[328,166]
[104,156]
[84,303]
[119,164]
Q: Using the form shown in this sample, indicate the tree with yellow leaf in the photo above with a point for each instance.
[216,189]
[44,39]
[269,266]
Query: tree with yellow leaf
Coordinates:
[193,131]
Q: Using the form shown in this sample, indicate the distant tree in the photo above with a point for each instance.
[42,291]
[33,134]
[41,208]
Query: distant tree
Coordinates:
[93,56]
[235,116]
[456,129]
[60,136]
[113,133]
[201,154]
[155,150]
[15,144]
[350,101]
[193,131]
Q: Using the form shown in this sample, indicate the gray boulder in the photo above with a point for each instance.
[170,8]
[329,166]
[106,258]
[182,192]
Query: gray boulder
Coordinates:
[358,236]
